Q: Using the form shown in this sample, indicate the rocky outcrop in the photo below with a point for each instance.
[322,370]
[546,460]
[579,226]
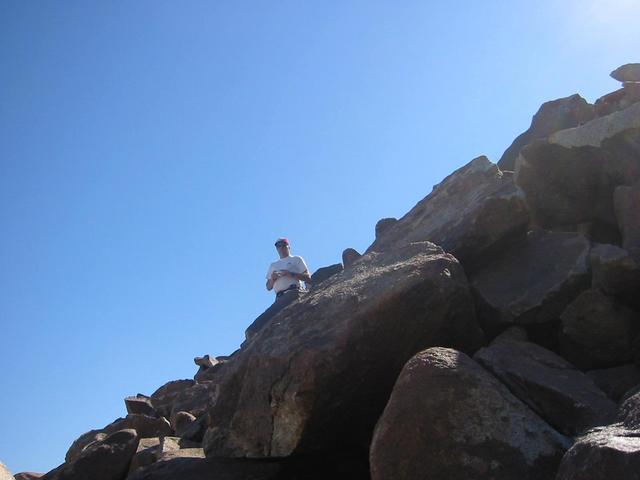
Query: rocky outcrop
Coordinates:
[615,273]
[350,256]
[629,412]
[532,281]
[140,404]
[317,377]
[627,73]
[562,395]
[210,468]
[627,208]
[604,453]
[552,116]
[323,273]
[164,397]
[473,212]
[473,428]
[616,381]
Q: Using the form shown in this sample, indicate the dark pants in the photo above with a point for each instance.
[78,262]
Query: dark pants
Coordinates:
[282,300]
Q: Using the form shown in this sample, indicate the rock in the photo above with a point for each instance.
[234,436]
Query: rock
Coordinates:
[552,116]
[28,476]
[627,73]
[349,256]
[209,468]
[627,208]
[323,273]
[145,454]
[105,460]
[163,398]
[597,332]
[623,167]
[171,444]
[206,361]
[448,418]
[615,273]
[196,430]
[605,453]
[562,395]
[5,474]
[181,421]
[182,453]
[196,399]
[384,225]
[629,412]
[616,381]
[617,100]
[532,281]
[318,376]
[516,333]
[140,404]
[594,132]
[81,442]
[473,212]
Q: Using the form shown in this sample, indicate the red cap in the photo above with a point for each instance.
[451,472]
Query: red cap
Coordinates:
[282,240]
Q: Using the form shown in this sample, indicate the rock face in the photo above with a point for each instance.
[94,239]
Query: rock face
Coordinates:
[473,428]
[615,273]
[597,332]
[616,381]
[603,454]
[349,256]
[317,377]
[562,395]
[534,280]
[208,469]
[627,73]
[475,210]
[323,273]
[552,116]
[629,412]
[163,398]
[627,208]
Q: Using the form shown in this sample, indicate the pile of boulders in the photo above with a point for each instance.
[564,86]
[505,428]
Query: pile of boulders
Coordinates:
[493,332]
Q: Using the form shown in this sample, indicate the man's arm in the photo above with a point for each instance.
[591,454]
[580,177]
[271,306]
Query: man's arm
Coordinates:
[304,276]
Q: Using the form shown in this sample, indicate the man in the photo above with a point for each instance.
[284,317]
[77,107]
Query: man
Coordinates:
[285,277]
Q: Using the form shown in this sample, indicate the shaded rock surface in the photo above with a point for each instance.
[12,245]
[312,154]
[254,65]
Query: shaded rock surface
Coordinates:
[605,453]
[164,397]
[208,469]
[317,377]
[597,332]
[629,72]
[349,256]
[627,209]
[475,210]
[615,273]
[28,476]
[616,381]
[561,394]
[323,273]
[140,404]
[473,428]
[629,412]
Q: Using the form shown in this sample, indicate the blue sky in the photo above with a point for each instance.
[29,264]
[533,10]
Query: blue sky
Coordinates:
[151,152]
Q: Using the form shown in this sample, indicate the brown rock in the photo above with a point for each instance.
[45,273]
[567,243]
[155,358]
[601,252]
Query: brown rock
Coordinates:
[533,281]
[208,469]
[617,100]
[323,273]
[616,381]
[516,333]
[81,443]
[629,72]
[561,394]
[181,453]
[349,256]
[384,224]
[597,332]
[28,476]
[627,208]
[140,404]
[552,116]
[145,454]
[615,273]
[318,376]
[605,453]
[448,418]
[163,398]
[181,421]
[196,399]
[474,211]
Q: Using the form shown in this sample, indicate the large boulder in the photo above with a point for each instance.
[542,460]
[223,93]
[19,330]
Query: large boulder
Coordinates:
[616,381]
[474,211]
[629,412]
[197,398]
[319,374]
[627,209]
[561,394]
[597,332]
[164,397]
[614,272]
[532,281]
[105,460]
[145,453]
[552,116]
[605,453]
[140,404]
[448,418]
[629,72]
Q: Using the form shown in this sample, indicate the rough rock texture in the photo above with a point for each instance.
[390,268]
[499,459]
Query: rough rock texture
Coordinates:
[140,404]
[163,398]
[181,422]
[105,460]
[561,394]
[597,332]
[552,116]
[145,454]
[629,72]
[598,129]
[323,273]
[629,412]
[5,474]
[534,280]
[605,453]
[28,476]
[615,273]
[209,469]
[627,208]
[473,428]
[349,256]
[318,376]
[474,211]
[618,100]
[181,453]
[197,398]
[512,333]
[616,381]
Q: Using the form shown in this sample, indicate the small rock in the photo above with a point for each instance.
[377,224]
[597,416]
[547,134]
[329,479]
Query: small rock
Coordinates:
[627,73]
[28,476]
[629,412]
[349,256]
[140,404]
[325,273]
[385,224]
[627,208]
[206,361]
[181,421]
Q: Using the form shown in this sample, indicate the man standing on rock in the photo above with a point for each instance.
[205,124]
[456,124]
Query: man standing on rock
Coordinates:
[285,277]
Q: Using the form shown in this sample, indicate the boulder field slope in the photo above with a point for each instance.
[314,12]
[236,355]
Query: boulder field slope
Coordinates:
[493,332]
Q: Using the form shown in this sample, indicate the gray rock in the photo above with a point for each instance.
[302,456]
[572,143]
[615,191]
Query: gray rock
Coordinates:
[605,453]
[627,73]
[627,208]
[182,453]
[28,476]
[616,381]
[562,395]
[140,404]
[208,469]
[197,398]
[533,281]
[597,332]
[181,421]
[475,211]
[448,418]
[629,412]
[146,454]
[551,117]
[163,398]
[323,273]
[516,333]
[615,273]
[317,377]
[384,224]
[349,257]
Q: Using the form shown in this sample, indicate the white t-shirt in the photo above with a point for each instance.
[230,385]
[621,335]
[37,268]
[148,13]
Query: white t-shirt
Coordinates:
[292,263]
